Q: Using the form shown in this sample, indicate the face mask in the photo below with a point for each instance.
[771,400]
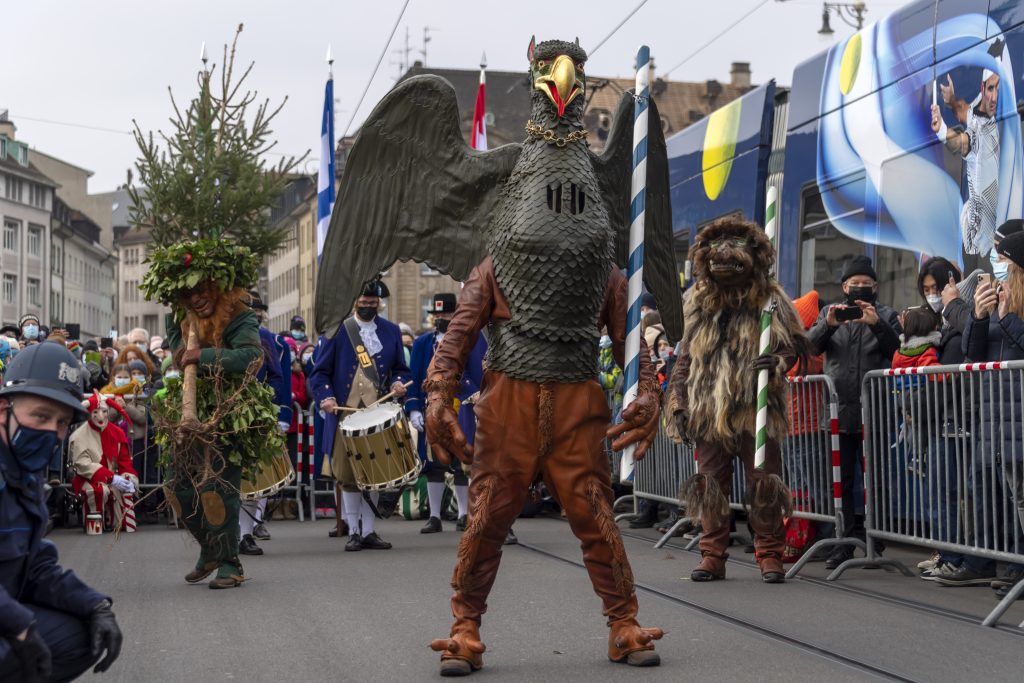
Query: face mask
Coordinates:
[139,379]
[366,313]
[865,294]
[306,357]
[121,381]
[1000,268]
[298,335]
[31,332]
[172,374]
[935,301]
[441,325]
[32,448]
[664,355]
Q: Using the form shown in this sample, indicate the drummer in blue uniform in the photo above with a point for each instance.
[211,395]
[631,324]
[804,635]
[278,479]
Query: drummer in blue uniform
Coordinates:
[276,358]
[443,307]
[362,361]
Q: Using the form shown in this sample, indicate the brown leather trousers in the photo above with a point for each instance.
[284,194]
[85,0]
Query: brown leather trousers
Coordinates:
[716,461]
[555,430]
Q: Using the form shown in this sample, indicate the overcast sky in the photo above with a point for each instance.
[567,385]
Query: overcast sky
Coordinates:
[102,64]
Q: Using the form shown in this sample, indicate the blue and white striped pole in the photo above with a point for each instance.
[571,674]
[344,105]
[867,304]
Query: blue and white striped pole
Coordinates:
[636,245]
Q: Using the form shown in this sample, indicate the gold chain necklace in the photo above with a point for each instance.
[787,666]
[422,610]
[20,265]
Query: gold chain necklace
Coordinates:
[535,130]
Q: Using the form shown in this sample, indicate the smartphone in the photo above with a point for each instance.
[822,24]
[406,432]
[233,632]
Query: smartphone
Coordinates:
[849,313]
[74,330]
[985,277]
[92,357]
[107,343]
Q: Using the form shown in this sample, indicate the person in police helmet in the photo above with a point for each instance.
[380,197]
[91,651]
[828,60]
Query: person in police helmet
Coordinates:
[52,625]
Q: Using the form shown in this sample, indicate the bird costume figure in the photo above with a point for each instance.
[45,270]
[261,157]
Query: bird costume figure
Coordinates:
[712,389]
[536,230]
[104,475]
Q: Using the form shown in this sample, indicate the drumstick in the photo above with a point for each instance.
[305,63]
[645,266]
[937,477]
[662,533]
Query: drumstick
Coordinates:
[388,395]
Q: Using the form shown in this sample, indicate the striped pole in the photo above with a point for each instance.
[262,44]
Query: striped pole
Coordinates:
[766,340]
[128,513]
[636,245]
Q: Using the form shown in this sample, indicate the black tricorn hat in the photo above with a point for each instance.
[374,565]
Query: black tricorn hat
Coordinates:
[256,302]
[375,287]
[444,302]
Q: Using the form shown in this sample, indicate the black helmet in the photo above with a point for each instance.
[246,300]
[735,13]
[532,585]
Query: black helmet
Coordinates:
[47,370]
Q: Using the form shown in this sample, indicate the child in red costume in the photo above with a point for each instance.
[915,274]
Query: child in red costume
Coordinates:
[102,461]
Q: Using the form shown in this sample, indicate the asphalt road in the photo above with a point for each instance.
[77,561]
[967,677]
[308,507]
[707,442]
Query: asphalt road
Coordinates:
[312,612]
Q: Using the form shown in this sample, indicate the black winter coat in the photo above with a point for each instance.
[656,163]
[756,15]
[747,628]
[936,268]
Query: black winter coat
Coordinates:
[998,419]
[851,351]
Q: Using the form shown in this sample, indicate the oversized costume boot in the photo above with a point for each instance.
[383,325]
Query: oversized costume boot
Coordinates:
[524,428]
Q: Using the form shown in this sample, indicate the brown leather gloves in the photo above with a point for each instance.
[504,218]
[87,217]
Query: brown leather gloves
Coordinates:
[639,421]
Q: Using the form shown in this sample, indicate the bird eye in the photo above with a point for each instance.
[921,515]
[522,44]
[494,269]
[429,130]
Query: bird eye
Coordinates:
[580,66]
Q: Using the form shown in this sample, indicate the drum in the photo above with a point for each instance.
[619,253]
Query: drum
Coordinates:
[271,478]
[377,445]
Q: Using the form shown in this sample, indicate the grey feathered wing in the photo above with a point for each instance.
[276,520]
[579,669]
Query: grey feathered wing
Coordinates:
[614,171]
[412,189]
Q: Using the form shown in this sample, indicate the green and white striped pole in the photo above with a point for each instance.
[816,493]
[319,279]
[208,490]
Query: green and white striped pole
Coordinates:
[770,222]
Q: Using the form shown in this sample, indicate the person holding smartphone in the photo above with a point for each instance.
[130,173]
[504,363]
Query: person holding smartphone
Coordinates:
[856,336]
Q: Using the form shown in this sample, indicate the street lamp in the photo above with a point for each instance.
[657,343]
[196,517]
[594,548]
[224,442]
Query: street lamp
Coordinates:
[852,14]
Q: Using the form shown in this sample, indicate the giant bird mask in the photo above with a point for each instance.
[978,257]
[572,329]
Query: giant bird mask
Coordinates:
[413,189]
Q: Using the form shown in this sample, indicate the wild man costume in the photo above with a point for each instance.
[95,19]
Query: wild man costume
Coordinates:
[218,424]
[541,225]
[713,389]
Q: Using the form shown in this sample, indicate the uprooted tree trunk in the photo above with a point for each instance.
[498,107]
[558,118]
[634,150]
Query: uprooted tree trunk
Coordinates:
[190,430]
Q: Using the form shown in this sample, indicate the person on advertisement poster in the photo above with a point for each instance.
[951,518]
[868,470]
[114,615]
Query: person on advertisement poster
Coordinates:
[978,144]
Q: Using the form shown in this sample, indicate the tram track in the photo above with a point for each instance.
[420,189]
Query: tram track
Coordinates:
[741,623]
[942,612]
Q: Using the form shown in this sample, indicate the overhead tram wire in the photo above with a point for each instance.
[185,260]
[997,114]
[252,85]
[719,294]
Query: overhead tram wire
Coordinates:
[376,68]
[620,25]
[716,37]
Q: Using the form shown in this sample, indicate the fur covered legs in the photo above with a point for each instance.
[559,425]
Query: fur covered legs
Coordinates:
[706,496]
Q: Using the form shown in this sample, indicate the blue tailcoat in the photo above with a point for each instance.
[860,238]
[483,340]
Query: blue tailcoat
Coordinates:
[472,378]
[336,366]
[276,360]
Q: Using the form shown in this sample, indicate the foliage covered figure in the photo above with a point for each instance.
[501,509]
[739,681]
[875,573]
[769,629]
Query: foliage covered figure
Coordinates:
[207,201]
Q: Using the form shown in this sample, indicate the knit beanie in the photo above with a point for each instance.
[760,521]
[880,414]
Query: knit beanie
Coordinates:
[807,308]
[859,265]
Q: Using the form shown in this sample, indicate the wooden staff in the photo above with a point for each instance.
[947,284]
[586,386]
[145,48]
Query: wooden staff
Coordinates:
[188,385]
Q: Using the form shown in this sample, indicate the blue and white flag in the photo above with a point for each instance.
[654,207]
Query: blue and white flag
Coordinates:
[325,178]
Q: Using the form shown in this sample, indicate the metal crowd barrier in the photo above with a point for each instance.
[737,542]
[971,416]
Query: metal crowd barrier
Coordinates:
[810,464]
[944,447]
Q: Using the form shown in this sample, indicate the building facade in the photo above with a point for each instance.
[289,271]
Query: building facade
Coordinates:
[285,288]
[26,200]
[83,274]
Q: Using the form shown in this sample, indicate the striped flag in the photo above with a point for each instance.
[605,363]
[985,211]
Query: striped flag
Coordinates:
[479,138]
[325,178]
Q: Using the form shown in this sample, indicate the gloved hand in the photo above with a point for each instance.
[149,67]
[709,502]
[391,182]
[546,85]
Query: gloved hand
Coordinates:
[283,426]
[104,634]
[122,484]
[33,655]
[444,435]
[639,425]
[766,361]
[416,419]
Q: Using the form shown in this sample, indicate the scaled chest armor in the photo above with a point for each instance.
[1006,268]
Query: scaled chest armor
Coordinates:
[552,246]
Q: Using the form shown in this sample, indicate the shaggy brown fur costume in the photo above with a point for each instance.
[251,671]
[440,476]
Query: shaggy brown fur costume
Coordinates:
[713,387]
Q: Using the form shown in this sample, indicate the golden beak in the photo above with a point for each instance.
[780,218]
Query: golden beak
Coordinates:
[560,83]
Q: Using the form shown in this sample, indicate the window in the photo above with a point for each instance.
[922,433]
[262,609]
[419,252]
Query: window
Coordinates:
[34,292]
[427,270]
[11,230]
[10,288]
[56,259]
[37,195]
[35,240]
[14,188]
[55,312]
[151,323]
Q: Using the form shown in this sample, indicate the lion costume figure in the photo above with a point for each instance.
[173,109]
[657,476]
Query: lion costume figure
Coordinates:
[712,392]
